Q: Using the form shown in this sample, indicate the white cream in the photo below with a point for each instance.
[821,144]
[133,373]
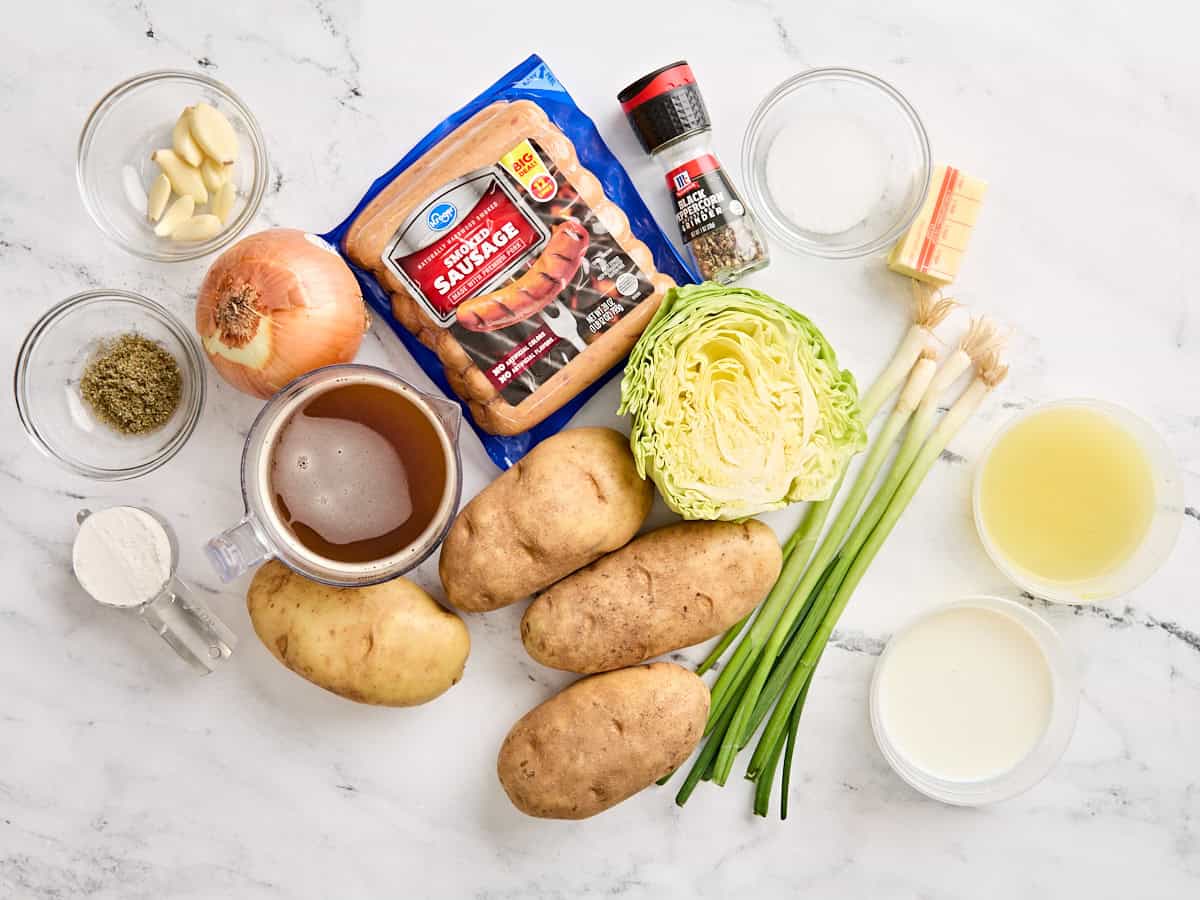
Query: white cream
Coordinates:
[965,694]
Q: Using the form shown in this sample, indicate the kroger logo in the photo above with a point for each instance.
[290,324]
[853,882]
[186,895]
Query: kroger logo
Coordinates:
[441,217]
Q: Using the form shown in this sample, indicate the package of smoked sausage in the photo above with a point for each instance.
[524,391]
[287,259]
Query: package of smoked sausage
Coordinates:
[514,257]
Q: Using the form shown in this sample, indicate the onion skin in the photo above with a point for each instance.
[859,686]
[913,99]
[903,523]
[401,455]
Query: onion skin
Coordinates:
[275,306]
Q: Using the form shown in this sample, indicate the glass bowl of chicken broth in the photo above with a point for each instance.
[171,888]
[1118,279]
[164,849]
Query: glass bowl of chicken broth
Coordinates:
[350,475]
[1078,501]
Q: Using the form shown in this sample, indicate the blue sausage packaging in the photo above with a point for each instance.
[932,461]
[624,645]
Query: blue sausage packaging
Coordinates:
[513,256]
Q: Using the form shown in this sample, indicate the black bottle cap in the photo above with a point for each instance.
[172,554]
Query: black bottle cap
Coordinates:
[665,106]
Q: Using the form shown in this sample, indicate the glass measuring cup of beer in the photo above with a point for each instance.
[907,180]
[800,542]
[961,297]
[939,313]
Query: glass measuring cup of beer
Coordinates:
[350,476]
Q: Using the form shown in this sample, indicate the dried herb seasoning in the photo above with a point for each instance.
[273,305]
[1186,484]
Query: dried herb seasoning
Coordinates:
[132,384]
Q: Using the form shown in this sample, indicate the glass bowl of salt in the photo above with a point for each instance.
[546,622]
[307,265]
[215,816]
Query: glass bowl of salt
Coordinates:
[836,162]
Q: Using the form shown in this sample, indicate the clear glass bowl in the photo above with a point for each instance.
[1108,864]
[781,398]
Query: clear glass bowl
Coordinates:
[50,364]
[1155,547]
[874,108]
[114,169]
[1044,755]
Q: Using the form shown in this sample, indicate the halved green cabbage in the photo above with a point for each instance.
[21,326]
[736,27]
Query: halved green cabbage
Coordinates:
[738,404]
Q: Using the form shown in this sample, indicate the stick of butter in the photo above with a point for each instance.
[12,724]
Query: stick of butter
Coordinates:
[932,248]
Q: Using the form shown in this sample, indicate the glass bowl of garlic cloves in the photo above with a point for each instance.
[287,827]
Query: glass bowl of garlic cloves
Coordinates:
[171,165]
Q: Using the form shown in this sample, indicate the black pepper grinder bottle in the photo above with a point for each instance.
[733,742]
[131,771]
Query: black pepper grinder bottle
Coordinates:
[668,115]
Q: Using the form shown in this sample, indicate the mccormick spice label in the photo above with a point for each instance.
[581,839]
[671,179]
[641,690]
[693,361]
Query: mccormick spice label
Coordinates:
[518,267]
[704,197]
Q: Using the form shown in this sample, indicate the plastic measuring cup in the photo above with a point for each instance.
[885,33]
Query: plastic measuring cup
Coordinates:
[176,615]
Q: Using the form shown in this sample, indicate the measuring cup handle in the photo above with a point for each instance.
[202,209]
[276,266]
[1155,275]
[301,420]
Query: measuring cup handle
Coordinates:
[235,550]
[189,626]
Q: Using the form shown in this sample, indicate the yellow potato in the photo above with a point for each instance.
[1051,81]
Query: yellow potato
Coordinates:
[389,644]
[573,498]
[602,740]
[671,588]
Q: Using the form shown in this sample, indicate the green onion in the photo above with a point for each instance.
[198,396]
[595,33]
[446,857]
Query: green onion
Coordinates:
[779,639]
[980,340]
[797,641]
[872,530]
[739,731]
[762,787]
[729,637]
[762,790]
[793,725]
[771,669]
[707,752]
[929,311]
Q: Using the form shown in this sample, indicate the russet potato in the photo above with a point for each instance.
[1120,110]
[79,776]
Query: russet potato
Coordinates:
[571,499]
[389,644]
[601,740]
[668,589]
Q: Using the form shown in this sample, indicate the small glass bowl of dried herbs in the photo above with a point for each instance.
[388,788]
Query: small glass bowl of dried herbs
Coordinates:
[110,384]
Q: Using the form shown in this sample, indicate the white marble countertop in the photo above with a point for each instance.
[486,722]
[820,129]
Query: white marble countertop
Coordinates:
[122,774]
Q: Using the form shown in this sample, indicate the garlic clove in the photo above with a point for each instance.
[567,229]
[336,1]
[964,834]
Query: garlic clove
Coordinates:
[214,133]
[198,228]
[184,144]
[185,179]
[177,213]
[222,204]
[160,193]
[214,174]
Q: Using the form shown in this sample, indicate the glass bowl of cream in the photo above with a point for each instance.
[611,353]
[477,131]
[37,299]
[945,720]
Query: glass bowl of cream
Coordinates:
[837,163]
[974,702]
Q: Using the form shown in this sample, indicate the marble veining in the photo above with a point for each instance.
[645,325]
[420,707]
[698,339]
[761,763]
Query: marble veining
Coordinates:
[125,776]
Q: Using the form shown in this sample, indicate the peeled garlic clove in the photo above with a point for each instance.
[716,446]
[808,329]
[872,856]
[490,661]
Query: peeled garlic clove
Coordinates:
[177,213]
[214,134]
[185,179]
[214,174]
[182,141]
[198,228]
[222,204]
[160,193]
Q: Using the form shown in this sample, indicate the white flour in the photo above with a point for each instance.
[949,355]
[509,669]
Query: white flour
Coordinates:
[122,556]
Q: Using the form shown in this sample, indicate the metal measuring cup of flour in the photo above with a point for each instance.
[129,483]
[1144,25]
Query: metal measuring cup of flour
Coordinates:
[263,534]
[134,569]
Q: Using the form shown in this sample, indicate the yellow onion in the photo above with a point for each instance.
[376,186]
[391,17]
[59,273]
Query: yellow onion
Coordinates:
[276,305]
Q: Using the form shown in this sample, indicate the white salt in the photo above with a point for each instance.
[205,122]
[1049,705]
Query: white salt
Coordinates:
[826,175]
